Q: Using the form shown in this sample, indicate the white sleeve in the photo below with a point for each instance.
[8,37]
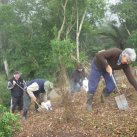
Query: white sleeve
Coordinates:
[10,85]
[33,87]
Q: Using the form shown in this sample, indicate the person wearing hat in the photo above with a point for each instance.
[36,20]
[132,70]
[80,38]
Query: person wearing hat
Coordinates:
[104,64]
[32,92]
[16,85]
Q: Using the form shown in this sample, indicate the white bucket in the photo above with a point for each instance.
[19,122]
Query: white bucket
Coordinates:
[47,105]
[85,84]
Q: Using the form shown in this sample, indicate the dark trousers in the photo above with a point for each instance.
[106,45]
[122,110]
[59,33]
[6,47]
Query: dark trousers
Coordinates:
[27,103]
[16,102]
[94,78]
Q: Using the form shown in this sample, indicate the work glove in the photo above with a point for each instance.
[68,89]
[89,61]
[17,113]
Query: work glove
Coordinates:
[14,82]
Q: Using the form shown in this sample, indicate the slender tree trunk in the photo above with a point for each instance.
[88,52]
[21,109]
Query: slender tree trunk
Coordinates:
[78,31]
[61,62]
[127,30]
[5,63]
[6,67]
[64,19]
[77,34]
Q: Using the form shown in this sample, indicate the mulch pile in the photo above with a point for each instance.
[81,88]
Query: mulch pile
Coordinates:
[106,120]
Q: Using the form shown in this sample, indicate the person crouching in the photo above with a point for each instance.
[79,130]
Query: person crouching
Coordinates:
[32,92]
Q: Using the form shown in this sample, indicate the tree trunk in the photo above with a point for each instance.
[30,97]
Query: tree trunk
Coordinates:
[6,67]
[78,31]
[64,19]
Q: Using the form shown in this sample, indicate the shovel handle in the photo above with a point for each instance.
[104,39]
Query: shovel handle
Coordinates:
[37,103]
[115,83]
[19,86]
[23,90]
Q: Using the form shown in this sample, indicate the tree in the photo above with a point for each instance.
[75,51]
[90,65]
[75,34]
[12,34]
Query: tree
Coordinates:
[126,10]
[117,34]
[31,26]
[26,32]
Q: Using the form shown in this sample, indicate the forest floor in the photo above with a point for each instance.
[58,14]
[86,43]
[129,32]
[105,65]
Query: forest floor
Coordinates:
[70,119]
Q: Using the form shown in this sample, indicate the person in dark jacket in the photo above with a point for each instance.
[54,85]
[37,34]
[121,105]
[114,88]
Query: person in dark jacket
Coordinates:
[104,64]
[16,85]
[77,78]
[32,92]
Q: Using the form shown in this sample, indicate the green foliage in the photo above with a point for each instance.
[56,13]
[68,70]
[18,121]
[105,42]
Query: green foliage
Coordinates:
[26,37]
[4,92]
[61,53]
[133,39]
[127,12]
[132,42]
[2,110]
[9,123]
[28,30]
[117,34]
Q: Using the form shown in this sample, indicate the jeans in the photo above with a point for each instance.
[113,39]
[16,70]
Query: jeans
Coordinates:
[74,87]
[94,78]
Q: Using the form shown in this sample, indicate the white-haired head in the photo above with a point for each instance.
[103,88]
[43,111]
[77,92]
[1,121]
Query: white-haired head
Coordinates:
[130,54]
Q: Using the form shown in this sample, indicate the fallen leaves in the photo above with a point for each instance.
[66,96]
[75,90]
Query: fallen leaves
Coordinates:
[104,121]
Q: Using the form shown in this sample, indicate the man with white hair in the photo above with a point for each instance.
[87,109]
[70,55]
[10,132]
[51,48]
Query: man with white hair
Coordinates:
[33,90]
[104,64]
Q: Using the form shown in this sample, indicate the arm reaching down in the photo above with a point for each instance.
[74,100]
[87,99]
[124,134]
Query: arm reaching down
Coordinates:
[130,77]
[30,89]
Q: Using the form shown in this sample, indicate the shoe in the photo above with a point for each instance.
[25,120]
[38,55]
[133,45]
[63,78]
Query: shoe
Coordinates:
[104,94]
[89,101]
[23,118]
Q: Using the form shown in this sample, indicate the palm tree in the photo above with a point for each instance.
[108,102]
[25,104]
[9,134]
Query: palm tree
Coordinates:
[119,35]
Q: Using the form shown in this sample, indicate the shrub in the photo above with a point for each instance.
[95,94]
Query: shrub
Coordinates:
[9,123]
[4,92]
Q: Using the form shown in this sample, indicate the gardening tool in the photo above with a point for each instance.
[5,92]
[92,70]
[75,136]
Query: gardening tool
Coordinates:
[20,86]
[121,99]
[44,105]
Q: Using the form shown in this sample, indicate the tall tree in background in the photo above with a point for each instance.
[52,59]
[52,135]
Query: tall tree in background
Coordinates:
[79,23]
[6,21]
[117,34]
[126,10]
[35,27]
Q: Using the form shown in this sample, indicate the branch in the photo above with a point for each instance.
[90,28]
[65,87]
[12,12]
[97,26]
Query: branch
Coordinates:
[127,30]
[64,19]
[69,28]
[82,20]
[70,24]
